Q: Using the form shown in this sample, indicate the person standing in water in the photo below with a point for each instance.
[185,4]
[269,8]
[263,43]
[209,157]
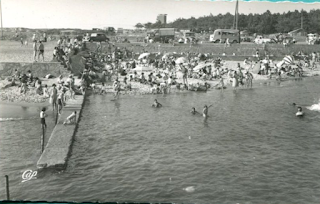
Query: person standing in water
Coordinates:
[235,82]
[249,78]
[116,88]
[54,96]
[205,111]
[193,111]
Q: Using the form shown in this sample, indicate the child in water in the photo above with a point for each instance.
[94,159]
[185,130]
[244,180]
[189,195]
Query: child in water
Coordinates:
[193,111]
[299,113]
[156,104]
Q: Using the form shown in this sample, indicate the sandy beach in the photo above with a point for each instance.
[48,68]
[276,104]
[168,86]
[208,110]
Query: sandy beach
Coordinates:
[15,53]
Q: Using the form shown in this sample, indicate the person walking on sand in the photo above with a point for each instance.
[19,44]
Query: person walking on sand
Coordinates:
[61,100]
[43,116]
[41,51]
[35,50]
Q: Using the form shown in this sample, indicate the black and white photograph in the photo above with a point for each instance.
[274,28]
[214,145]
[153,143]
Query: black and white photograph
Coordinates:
[160,101]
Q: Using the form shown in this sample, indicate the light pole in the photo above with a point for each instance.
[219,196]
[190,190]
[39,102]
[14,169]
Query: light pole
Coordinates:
[1,20]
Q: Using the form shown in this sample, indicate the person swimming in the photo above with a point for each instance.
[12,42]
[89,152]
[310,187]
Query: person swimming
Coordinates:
[193,111]
[299,113]
[205,111]
[156,104]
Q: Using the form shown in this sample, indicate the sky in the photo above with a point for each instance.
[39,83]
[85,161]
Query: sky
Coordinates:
[87,14]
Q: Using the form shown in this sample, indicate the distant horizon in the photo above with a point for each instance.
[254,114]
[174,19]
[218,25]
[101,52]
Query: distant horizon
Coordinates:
[88,14]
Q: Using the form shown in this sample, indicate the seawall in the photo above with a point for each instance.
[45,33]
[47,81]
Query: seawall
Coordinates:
[58,148]
[38,69]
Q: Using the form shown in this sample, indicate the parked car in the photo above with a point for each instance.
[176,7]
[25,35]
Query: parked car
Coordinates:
[245,39]
[260,40]
[98,37]
[312,38]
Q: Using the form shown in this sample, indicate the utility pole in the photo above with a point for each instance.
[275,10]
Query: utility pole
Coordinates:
[1,20]
[235,20]
[301,20]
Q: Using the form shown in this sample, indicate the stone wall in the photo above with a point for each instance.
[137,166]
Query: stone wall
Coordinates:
[38,69]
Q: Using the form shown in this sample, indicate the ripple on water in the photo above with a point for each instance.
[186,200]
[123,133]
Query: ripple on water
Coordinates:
[252,149]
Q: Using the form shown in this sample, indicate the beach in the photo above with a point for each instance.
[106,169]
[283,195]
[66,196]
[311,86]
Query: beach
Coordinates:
[15,53]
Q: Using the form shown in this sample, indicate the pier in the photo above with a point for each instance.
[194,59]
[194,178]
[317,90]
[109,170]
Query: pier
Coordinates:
[58,148]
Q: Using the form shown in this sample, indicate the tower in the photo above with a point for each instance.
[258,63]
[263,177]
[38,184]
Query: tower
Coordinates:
[236,16]
[162,18]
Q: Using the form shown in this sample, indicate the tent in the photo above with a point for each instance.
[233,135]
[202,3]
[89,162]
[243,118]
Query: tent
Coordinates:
[143,69]
[201,66]
[181,60]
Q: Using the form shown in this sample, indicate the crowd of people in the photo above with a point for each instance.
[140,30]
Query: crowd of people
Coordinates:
[165,69]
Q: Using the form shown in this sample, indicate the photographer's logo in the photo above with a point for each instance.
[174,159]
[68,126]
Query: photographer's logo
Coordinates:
[28,175]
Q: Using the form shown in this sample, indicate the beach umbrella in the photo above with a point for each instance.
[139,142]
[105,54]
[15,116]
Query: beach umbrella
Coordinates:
[199,67]
[288,60]
[181,60]
[143,69]
[143,55]
[169,54]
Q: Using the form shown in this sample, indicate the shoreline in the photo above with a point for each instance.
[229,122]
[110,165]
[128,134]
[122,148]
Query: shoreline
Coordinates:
[34,100]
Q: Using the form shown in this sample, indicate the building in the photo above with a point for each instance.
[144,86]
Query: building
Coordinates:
[120,31]
[68,32]
[298,32]
[162,18]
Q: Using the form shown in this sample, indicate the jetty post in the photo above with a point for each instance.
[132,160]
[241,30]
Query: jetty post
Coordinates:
[7,187]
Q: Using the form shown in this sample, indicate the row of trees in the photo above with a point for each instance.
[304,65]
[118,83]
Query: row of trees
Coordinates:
[265,23]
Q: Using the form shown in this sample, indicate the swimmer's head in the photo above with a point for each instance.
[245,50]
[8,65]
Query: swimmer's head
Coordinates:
[193,109]
[299,109]
[294,104]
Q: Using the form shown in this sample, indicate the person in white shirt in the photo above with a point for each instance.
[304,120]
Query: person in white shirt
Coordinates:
[299,113]
[35,51]
[43,115]
[71,119]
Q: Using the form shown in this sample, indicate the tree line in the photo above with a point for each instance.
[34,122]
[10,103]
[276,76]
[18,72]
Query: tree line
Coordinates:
[265,23]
